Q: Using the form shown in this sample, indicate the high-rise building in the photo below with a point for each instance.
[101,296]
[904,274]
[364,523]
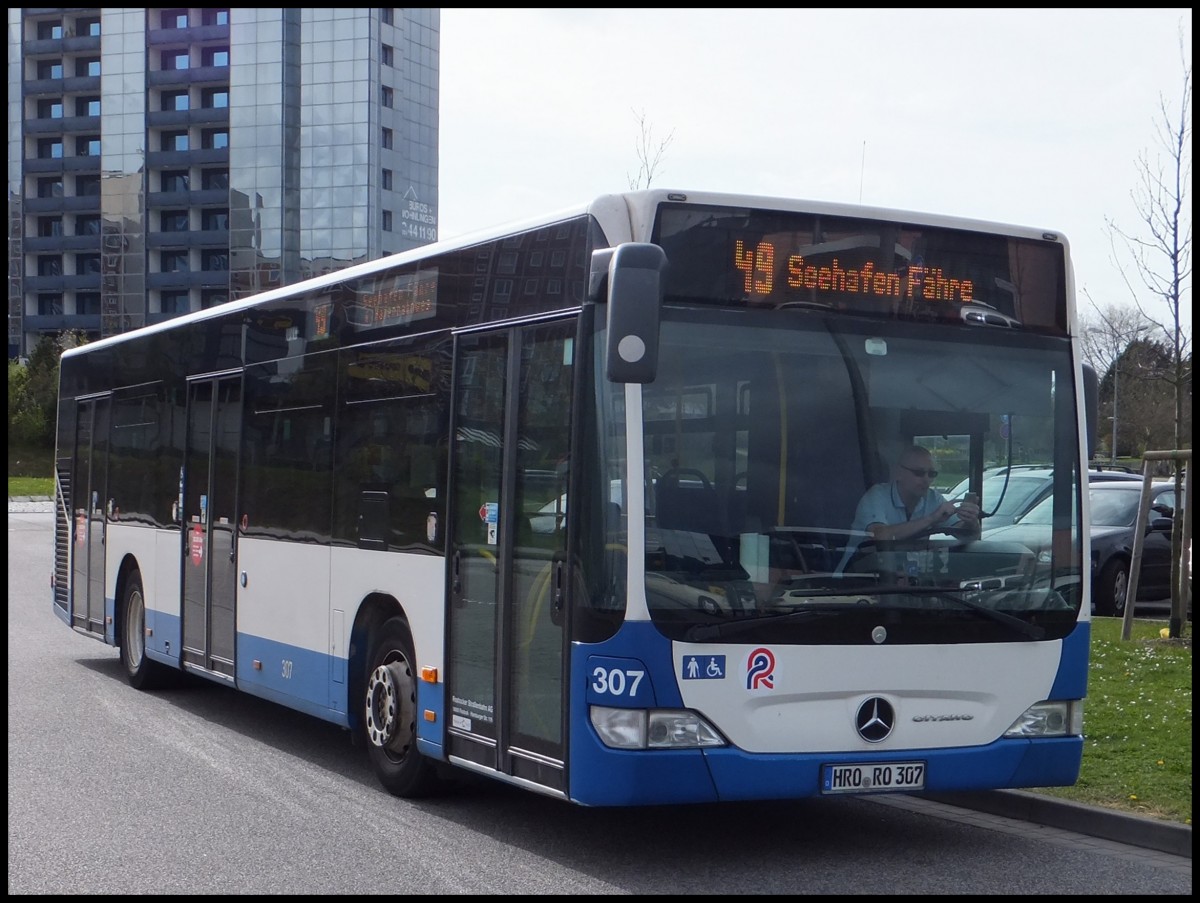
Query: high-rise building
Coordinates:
[162,161]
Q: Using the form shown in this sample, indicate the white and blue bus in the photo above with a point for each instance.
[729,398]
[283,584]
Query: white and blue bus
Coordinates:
[566,504]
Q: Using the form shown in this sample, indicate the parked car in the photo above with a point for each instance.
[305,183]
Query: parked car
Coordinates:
[1113,512]
[1027,485]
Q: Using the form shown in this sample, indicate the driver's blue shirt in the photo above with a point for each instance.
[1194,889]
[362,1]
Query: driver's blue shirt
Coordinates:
[881,504]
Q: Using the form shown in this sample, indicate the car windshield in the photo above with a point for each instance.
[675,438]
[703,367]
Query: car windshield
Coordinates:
[1109,508]
[1020,490]
[1115,508]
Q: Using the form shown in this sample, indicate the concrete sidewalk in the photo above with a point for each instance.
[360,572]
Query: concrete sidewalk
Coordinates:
[1023,805]
[26,504]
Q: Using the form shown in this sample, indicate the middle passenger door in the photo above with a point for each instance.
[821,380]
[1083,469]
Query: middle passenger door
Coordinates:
[505,664]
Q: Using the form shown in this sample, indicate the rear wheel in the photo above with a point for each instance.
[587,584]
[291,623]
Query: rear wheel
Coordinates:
[391,714]
[142,673]
[1112,588]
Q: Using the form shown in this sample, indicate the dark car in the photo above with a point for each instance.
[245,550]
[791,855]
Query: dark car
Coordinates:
[1009,492]
[1114,510]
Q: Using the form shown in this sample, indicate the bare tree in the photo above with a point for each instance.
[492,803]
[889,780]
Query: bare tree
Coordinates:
[1160,255]
[649,154]
[1148,421]
[1106,337]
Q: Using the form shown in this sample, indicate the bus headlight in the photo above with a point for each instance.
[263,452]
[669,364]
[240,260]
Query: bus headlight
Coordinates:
[653,728]
[1053,718]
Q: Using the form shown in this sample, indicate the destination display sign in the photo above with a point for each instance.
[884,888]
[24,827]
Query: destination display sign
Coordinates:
[763,262]
[795,259]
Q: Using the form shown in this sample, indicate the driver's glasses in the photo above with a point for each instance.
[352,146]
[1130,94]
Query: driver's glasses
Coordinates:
[917,471]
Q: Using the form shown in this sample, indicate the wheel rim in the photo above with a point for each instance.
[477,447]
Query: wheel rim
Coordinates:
[135,634]
[1120,590]
[390,693]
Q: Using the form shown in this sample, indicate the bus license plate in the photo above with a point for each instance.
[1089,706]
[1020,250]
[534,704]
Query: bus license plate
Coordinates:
[874,777]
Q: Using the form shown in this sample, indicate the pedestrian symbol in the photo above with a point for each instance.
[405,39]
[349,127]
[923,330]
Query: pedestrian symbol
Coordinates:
[704,667]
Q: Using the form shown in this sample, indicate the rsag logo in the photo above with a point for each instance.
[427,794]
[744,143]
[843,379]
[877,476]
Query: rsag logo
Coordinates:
[760,670]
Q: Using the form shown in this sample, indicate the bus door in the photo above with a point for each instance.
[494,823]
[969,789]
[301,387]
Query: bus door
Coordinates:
[209,523]
[505,652]
[89,513]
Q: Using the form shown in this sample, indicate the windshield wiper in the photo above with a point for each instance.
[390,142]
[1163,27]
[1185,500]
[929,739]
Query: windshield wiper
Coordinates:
[700,632]
[1033,631]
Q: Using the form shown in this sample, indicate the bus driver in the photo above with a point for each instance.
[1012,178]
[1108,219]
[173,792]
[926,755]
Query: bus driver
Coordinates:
[909,507]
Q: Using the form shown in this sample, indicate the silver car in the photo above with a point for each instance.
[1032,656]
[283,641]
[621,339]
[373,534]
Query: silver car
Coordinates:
[1027,484]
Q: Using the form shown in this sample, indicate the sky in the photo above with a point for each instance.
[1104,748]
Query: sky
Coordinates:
[1032,117]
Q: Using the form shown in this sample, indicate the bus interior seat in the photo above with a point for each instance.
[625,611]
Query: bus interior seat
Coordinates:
[686,500]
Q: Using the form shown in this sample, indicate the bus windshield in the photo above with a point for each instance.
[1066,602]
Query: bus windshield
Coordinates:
[763,430]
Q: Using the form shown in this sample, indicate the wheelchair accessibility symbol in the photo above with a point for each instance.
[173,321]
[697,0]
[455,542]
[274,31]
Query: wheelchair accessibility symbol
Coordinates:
[704,667]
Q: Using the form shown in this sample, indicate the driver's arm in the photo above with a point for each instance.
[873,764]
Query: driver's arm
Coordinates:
[962,517]
[894,532]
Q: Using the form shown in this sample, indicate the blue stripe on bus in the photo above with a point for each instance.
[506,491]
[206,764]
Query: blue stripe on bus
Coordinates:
[309,685]
[166,637]
[1071,680]
[292,675]
[312,687]
[431,735]
[603,776]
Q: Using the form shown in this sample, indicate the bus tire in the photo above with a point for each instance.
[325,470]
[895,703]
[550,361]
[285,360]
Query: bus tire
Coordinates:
[390,714]
[141,672]
[1112,589]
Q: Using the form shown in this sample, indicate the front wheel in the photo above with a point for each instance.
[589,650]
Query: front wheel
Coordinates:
[1112,588]
[391,714]
[142,673]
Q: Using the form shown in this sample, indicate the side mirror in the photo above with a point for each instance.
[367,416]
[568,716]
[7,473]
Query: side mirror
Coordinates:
[1091,404]
[635,292]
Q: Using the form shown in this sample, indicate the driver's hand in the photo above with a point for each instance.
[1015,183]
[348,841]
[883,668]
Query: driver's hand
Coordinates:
[966,511]
[945,511]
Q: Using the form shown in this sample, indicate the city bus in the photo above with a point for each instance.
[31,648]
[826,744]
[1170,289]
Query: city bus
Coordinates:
[568,504]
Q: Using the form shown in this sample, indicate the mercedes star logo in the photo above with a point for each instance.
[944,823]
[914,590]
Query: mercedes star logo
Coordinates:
[875,719]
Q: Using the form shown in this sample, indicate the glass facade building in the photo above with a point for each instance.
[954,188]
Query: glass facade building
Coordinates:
[162,161]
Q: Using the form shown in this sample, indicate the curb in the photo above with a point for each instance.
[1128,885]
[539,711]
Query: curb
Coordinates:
[1095,821]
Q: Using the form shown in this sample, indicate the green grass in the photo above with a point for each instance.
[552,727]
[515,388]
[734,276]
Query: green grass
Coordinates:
[39,486]
[1137,723]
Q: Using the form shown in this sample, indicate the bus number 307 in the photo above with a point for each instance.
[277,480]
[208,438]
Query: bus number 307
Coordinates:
[616,682]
